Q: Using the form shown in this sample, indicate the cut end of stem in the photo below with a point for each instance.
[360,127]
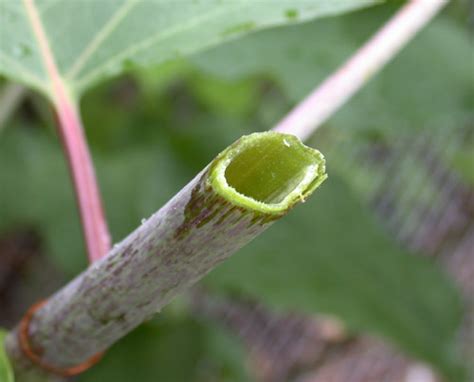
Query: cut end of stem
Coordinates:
[268,172]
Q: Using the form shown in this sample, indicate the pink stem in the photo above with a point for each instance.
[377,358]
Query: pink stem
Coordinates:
[94,225]
[88,197]
[321,104]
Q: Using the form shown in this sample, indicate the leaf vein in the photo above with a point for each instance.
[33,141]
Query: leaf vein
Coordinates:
[100,37]
[24,73]
[162,35]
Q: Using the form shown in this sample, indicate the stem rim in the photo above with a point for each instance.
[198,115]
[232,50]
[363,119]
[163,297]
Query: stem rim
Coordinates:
[314,176]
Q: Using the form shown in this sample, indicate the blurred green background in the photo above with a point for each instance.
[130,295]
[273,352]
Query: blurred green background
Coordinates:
[379,258]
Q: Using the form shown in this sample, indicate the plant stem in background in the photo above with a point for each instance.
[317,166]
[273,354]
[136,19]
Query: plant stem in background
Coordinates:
[10,98]
[327,98]
[88,197]
[252,183]
[94,225]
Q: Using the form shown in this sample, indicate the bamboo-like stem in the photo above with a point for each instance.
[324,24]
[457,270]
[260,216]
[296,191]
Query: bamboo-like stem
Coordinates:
[252,183]
[327,98]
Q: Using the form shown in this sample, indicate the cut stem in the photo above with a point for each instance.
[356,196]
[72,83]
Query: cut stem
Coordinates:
[220,210]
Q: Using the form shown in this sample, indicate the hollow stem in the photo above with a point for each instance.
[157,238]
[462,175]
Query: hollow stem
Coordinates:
[213,216]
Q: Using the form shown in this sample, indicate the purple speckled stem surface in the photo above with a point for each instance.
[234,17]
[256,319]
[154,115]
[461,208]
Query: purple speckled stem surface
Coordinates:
[189,236]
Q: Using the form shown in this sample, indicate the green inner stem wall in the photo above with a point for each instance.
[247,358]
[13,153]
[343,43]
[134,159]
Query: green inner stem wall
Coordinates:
[270,168]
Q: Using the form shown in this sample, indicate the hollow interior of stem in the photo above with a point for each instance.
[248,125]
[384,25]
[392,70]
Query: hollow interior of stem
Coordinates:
[268,169]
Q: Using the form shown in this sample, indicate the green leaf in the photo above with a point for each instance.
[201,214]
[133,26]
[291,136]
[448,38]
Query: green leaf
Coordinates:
[430,83]
[463,160]
[90,41]
[329,256]
[6,371]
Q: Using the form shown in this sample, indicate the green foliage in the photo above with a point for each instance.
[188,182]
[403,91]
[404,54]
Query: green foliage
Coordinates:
[95,40]
[153,130]
[6,372]
[463,160]
[429,84]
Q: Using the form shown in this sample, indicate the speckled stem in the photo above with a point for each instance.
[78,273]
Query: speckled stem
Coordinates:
[248,186]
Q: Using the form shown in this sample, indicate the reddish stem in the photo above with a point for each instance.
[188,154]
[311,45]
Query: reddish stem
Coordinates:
[95,228]
[88,198]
